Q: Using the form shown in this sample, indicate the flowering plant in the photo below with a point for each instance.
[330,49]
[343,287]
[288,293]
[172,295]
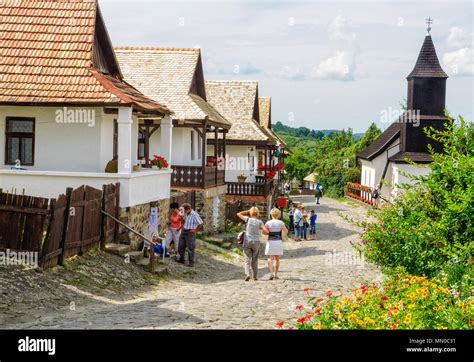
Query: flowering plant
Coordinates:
[402,301]
[159,161]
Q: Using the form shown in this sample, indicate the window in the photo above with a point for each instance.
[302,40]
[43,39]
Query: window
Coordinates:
[199,147]
[20,141]
[141,144]
[193,154]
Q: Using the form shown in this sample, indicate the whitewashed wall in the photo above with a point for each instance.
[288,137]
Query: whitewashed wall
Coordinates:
[66,146]
[238,162]
[181,151]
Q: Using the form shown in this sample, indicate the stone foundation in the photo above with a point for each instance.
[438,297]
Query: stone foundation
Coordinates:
[137,217]
[211,205]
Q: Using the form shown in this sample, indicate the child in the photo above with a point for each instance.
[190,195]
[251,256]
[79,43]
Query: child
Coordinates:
[312,225]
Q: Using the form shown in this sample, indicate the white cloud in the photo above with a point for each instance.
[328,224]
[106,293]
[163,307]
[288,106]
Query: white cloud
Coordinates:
[460,60]
[340,28]
[291,73]
[341,66]
[459,38]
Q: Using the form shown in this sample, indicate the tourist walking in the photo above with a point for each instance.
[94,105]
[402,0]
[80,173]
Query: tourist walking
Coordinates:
[251,243]
[274,247]
[187,241]
[312,225]
[175,224]
[318,192]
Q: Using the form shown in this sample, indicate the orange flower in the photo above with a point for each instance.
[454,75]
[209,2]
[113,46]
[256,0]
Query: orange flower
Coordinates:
[305,289]
[280,323]
[328,293]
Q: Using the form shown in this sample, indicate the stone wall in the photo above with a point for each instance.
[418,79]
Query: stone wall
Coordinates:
[137,217]
[211,205]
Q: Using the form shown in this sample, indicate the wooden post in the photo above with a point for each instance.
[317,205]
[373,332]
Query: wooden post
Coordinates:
[204,146]
[216,145]
[117,211]
[103,228]
[66,221]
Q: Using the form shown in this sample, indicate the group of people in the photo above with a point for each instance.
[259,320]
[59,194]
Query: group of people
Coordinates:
[302,224]
[183,224]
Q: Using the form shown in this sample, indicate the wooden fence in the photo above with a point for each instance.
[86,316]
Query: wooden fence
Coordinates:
[58,228]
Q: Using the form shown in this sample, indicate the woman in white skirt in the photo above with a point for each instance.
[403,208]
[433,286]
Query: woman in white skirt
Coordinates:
[274,247]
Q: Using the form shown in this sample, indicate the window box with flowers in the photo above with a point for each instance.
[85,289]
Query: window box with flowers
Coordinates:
[158,162]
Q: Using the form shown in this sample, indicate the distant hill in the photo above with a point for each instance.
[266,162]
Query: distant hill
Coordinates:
[290,133]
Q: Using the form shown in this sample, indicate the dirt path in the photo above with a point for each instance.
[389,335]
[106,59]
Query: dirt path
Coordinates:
[214,295]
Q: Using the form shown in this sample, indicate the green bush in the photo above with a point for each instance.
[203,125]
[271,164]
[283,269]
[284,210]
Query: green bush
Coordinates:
[429,228]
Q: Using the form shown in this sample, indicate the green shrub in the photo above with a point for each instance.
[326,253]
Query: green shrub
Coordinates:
[429,227]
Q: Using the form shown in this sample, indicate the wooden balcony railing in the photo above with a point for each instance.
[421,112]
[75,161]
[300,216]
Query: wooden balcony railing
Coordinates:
[250,188]
[196,177]
[359,192]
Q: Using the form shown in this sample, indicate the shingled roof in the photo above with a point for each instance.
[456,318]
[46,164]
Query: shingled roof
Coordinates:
[173,76]
[420,157]
[427,64]
[59,52]
[381,143]
[265,109]
[237,101]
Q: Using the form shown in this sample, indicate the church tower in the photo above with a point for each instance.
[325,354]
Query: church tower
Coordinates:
[426,99]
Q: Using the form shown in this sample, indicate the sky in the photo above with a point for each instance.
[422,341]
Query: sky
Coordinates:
[326,65]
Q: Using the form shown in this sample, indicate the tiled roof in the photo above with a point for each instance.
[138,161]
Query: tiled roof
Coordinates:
[167,75]
[427,64]
[421,157]
[47,56]
[236,101]
[381,143]
[265,109]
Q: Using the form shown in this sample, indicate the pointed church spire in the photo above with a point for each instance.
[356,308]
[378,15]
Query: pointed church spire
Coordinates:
[427,64]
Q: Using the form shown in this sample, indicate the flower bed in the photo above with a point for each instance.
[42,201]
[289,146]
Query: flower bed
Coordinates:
[401,302]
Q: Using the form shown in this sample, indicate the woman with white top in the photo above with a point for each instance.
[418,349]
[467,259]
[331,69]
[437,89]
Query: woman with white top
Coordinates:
[274,247]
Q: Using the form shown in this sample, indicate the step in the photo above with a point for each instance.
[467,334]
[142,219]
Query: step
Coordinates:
[117,249]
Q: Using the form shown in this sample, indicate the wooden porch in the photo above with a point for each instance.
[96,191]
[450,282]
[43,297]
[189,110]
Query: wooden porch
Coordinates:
[196,177]
[250,188]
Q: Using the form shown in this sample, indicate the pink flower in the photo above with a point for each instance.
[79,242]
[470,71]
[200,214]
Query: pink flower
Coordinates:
[383,297]
[389,313]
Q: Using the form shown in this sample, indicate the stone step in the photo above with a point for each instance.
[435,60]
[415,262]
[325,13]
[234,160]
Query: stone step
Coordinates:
[117,249]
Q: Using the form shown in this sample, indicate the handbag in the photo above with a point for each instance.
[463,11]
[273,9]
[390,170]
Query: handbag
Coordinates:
[241,236]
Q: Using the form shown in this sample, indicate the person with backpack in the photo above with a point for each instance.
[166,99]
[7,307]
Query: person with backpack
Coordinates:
[318,192]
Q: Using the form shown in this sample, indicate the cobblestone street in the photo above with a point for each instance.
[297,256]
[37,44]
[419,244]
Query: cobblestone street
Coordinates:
[214,294]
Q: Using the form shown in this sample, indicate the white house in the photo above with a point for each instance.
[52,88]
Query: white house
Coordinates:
[174,76]
[65,110]
[384,161]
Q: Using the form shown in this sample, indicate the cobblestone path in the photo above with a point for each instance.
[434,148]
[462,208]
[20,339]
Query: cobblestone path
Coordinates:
[214,294]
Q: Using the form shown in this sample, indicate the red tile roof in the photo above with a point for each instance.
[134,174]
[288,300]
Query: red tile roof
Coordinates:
[46,57]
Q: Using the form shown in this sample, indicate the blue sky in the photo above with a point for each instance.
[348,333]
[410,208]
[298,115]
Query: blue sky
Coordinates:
[325,64]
